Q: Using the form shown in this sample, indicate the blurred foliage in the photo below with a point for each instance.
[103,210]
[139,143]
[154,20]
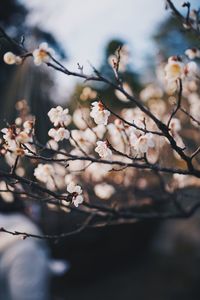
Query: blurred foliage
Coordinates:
[105,92]
[172,39]
[27,82]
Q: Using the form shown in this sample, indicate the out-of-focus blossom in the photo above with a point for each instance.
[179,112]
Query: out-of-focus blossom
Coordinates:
[158,107]
[83,139]
[42,54]
[194,101]
[191,70]
[99,131]
[6,192]
[59,116]
[52,144]
[116,137]
[192,53]
[171,87]
[174,69]
[103,150]
[132,136]
[12,59]
[88,94]
[97,171]
[104,191]
[144,142]
[28,126]
[69,178]
[151,91]
[20,171]
[77,164]
[99,113]
[23,137]
[44,172]
[175,126]
[121,95]
[80,117]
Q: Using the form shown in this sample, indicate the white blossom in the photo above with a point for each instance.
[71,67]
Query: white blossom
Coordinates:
[192,53]
[80,117]
[97,171]
[59,116]
[14,138]
[192,70]
[23,137]
[88,94]
[76,164]
[76,191]
[84,139]
[99,114]
[151,91]
[121,96]
[52,144]
[99,131]
[59,134]
[11,59]
[42,54]
[44,172]
[175,126]
[28,126]
[103,150]
[144,142]
[104,190]
[6,195]
[174,69]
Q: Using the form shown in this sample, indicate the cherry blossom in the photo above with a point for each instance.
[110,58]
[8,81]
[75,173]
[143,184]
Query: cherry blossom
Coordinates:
[44,172]
[76,192]
[4,193]
[11,59]
[103,150]
[193,53]
[174,68]
[59,134]
[144,142]
[42,54]
[104,191]
[59,116]
[99,114]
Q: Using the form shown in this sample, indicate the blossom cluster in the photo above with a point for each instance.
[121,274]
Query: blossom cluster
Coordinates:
[60,118]
[16,140]
[89,144]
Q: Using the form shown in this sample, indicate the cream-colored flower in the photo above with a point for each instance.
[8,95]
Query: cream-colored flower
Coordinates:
[175,126]
[191,70]
[44,172]
[174,69]
[192,53]
[12,59]
[104,191]
[121,96]
[59,116]
[103,150]
[5,192]
[76,192]
[144,142]
[59,134]
[99,114]
[42,54]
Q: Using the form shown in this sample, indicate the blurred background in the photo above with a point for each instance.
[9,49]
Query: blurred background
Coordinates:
[158,260]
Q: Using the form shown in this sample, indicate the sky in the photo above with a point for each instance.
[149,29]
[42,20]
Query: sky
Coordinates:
[83,27]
